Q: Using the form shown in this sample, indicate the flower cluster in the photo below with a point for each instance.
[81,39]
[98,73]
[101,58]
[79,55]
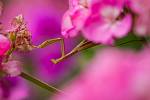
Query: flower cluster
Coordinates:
[102,21]
[11,67]
[112,75]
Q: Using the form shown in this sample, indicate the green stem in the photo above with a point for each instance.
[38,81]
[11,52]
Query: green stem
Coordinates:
[130,41]
[39,83]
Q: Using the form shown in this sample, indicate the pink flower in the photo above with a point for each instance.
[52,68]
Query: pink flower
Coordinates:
[12,68]
[99,20]
[104,24]
[112,75]
[140,6]
[73,20]
[4,44]
[142,25]
[142,9]
[13,88]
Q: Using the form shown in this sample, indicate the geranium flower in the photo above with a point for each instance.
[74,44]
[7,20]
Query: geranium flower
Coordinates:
[73,20]
[100,21]
[104,23]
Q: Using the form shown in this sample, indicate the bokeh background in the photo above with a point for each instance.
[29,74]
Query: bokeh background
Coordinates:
[43,19]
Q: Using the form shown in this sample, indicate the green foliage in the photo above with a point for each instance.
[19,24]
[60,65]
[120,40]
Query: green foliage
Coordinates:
[130,41]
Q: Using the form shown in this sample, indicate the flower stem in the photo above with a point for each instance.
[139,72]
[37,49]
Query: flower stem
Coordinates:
[39,83]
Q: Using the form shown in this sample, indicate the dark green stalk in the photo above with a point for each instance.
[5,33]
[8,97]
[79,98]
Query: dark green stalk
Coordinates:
[39,83]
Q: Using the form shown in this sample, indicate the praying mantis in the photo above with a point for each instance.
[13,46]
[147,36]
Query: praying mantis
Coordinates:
[21,40]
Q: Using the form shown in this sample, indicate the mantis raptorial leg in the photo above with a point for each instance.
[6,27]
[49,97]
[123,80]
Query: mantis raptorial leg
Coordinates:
[51,41]
[81,46]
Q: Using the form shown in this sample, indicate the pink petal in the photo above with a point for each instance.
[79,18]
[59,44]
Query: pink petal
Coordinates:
[4,44]
[68,30]
[122,27]
[73,21]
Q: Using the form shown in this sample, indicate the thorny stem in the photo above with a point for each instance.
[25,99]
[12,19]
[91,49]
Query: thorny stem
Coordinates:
[39,83]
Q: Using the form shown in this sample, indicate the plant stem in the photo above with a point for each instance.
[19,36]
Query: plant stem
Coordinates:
[39,83]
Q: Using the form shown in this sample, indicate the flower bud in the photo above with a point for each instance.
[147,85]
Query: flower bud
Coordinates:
[4,44]
[12,68]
